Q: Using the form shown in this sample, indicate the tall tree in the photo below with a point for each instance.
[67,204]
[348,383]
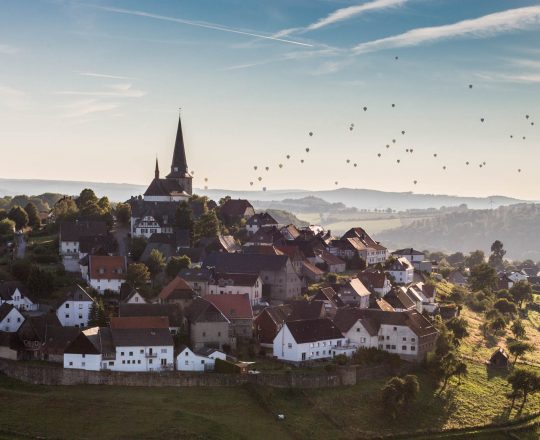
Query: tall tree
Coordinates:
[136,248]
[475,258]
[458,326]
[85,197]
[398,393]
[176,264]
[496,258]
[123,213]
[7,227]
[65,209]
[518,349]
[3,214]
[33,216]
[207,226]
[521,292]
[184,217]
[19,216]
[41,282]
[155,262]
[483,276]
[524,383]
[518,329]
[138,274]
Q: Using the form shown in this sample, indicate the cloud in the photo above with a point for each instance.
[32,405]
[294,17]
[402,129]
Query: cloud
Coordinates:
[200,24]
[6,49]
[104,75]
[485,26]
[116,90]
[343,14]
[86,107]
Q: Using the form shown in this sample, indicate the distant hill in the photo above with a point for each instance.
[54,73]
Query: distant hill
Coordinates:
[351,197]
[517,226]
[286,217]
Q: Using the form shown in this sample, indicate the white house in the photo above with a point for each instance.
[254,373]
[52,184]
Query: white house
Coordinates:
[407,334]
[10,318]
[106,273]
[238,284]
[135,298]
[12,292]
[401,270]
[69,238]
[74,311]
[201,360]
[260,220]
[517,276]
[122,349]
[376,281]
[309,340]
[354,293]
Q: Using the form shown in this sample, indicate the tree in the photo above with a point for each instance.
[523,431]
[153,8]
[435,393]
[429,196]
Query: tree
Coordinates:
[445,343]
[19,216]
[3,214]
[497,255]
[450,366]
[475,258]
[40,282]
[136,249]
[33,216]
[497,324]
[176,264]
[104,205]
[137,274]
[505,307]
[184,217]
[521,292]
[518,349]
[483,276]
[65,208]
[518,329]
[523,383]
[155,262]
[98,315]
[457,295]
[398,393]
[87,196]
[458,326]
[7,227]
[123,213]
[456,259]
[207,226]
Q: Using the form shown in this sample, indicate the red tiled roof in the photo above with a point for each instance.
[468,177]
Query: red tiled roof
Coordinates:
[177,286]
[231,305]
[104,267]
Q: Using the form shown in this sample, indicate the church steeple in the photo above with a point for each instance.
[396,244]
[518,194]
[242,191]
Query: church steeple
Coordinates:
[179,167]
[157,169]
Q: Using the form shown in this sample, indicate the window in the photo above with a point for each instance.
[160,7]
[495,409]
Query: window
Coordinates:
[388,337]
[404,339]
[202,361]
[80,316]
[204,334]
[164,350]
[111,363]
[187,362]
[67,315]
[139,361]
[67,305]
[80,306]
[388,346]
[123,362]
[150,361]
[289,345]
[362,339]
[413,339]
[83,355]
[141,351]
[219,333]
[121,353]
[413,348]
[131,353]
[357,329]
[404,347]
[393,347]
[395,328]
[71,364]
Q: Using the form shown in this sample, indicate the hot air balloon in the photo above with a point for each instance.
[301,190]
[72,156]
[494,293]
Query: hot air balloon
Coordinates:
[379,154]
[206,179]
[251,183]
[365,108]
[255,167]
[355,165]
[519,170]
[415,182]
[393,141]
[281,165]
[444,167]
[434,154]
[288,156]
[348,160]
[311,133]
[526,116]
[301,160]
[481,119]
[307,150]
[336,182]
[403,132]
[264,188]
[387,146]
[398,161]
[396,58]
[466,163]
[260,178]
[393,105]
[470,86]
[266,168]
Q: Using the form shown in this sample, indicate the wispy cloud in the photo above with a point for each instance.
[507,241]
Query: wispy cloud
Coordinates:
[104,75]
[12,98]
[485,26]
[116,90]
[343,14]
[6,49]
[200,24]
[86,107]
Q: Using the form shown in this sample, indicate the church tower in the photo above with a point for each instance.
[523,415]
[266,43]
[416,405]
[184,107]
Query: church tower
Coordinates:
[179,170]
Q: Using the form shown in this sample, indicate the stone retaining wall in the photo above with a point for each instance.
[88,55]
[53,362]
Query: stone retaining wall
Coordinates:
[44,374]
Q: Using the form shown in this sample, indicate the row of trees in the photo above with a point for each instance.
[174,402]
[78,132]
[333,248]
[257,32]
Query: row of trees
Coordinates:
[87,206]
[20,217]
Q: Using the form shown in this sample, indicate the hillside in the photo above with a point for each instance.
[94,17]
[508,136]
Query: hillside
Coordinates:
[351,197]
[517,226]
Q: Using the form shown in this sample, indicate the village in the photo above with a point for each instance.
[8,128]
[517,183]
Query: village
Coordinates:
[179,282]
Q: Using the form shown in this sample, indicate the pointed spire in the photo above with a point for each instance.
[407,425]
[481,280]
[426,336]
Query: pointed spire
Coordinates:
[179,164]
[157,169]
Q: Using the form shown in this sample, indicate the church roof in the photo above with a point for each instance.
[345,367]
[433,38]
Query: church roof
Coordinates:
[179,164]
[165,187]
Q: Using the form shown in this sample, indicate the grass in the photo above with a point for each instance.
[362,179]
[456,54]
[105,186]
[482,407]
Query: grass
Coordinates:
[87,412]
[372,226]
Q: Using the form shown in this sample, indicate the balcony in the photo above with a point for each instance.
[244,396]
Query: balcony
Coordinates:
[150,355]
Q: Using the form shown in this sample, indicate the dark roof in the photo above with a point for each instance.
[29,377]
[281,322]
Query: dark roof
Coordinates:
[399,299]
[132,337]
[407,251]
[202,310]
[5,309]
[328,294]
[235,207]
[328,258]
[73,231]
[311,330]
[306,310]
[97,244]
[177,289]
[196,274]
[267,235]
[178,238]
[236,279]
[81,345]
[11,340]
[139,322]
[372,320]
[278,314]
[76,293]
[179,166]
[165,187]
[262,219]
[245,263]
[373,279]
[233,306]
[7,289]
[172,311]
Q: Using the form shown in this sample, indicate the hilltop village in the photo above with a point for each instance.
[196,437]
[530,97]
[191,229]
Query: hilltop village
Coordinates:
[171,281]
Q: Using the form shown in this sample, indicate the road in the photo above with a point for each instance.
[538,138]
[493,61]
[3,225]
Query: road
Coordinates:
[121,235]
[20,246]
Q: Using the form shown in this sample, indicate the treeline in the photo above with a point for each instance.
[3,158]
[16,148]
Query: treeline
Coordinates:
[43,202]
[518,226]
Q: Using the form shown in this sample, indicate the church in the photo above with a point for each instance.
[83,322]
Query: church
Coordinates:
[154,212]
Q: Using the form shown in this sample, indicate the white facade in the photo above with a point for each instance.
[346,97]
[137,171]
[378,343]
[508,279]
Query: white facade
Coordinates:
[12,321]
[20,301]
[69,247]
[136,298]
[148,225]
[402,271]
[90,362]
[140,358]
[254,292]
[287,349]
[103,284]
[187,360]
[74,313]
[517,276]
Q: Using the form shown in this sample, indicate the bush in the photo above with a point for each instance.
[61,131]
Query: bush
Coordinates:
[330,368]
[341,359]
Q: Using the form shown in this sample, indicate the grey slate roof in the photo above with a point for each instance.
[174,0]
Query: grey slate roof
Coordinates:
[244,263]
[133,337]
[73,231]
[311,330]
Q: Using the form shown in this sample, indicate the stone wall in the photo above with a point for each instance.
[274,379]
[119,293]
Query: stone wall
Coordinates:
[44,374]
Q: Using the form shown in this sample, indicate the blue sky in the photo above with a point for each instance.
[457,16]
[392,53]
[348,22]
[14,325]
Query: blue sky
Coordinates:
[90,90]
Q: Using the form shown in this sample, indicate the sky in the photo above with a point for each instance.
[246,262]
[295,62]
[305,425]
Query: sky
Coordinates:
[91,90]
